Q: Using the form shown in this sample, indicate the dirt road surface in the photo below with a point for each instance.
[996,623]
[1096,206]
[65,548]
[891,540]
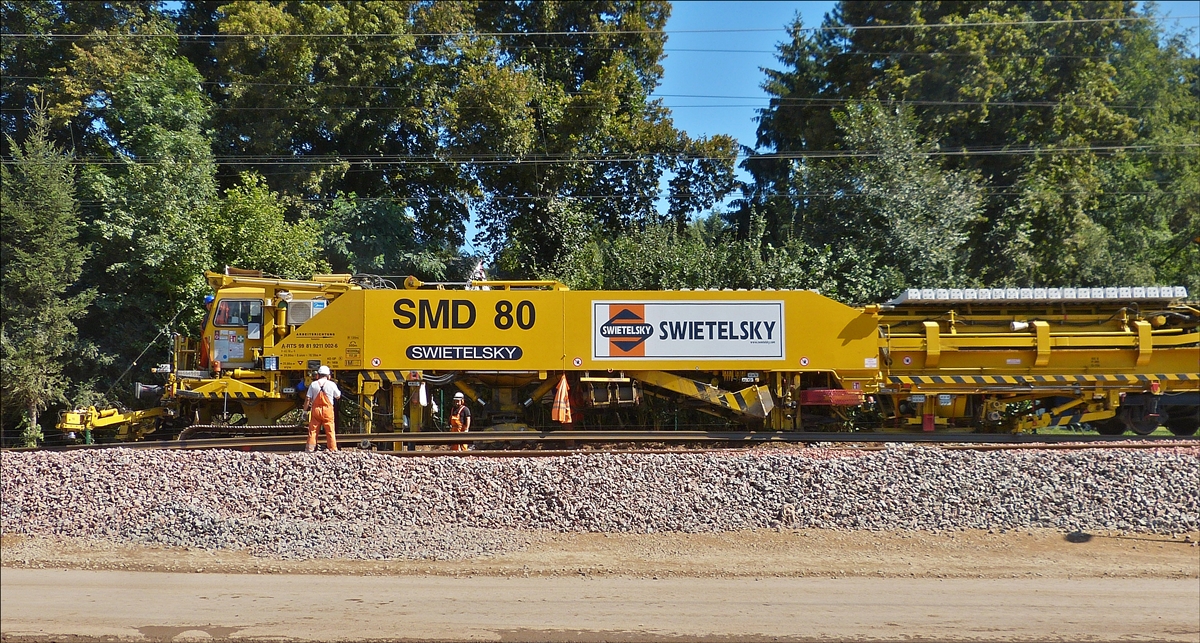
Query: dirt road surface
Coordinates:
[165,606]
[748,586]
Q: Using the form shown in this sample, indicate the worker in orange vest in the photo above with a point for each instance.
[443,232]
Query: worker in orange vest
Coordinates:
[321,395]
[460,420]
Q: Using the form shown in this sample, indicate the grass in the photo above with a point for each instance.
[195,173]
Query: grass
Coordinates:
[1159,432]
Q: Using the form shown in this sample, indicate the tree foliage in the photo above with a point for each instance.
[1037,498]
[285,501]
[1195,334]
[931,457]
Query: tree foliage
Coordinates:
[886,204]
[589,136]
[137,108]
[1074,117]
[249,227]
[42,259]
[344,92]
[448,108]
[377,236]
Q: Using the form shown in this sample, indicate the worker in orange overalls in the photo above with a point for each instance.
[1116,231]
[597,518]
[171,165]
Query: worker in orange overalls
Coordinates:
[460,420]
[321,395]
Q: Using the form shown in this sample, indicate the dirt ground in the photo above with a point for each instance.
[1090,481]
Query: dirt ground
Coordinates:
[787,586]
[785,553]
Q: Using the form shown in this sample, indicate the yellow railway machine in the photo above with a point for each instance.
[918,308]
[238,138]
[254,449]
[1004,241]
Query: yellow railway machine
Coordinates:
[1025,359]
[760,359]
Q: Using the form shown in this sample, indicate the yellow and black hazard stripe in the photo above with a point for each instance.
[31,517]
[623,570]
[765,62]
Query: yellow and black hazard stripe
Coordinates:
[1065,419]
[735,401]
[216,395]
[1040,379]
[391,377]
[238,395]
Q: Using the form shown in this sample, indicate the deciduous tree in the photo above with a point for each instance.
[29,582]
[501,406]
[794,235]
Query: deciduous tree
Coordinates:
[249,228]
[148,184]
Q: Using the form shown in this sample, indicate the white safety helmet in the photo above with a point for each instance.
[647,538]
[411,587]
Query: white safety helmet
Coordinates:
[324,370]
[459,396]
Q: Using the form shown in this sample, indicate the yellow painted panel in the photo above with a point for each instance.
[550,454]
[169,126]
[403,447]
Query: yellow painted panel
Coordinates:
[327,337]
[474,330]
[933,344]
[544,330]
[1042,330]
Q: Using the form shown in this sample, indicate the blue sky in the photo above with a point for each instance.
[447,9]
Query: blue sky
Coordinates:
[702,65]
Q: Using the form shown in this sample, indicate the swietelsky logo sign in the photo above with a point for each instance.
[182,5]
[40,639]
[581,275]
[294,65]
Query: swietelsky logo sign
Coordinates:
[691,330]
[627,330]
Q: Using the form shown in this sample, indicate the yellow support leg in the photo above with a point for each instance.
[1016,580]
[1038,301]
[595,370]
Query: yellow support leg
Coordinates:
[755,401]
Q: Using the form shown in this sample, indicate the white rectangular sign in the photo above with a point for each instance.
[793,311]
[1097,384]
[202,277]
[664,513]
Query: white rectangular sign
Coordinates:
[691,330]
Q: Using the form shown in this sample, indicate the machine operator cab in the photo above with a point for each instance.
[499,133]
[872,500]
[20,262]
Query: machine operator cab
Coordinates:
[234,329]
[249,311]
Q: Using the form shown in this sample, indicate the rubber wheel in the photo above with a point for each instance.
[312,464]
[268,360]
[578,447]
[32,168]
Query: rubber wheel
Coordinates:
[1110,427]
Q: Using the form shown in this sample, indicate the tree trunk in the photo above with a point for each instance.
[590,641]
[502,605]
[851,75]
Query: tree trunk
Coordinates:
[32,432]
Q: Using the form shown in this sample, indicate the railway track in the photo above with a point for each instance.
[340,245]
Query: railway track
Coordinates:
[619,441]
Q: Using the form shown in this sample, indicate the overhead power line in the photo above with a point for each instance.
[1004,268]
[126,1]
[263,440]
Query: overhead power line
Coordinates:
[660,194]
[769,98]
[769,101]
[601,32]
[668,50]
[567,159]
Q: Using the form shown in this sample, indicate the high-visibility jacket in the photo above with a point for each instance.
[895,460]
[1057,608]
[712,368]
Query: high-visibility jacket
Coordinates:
[561,411]
[457,423]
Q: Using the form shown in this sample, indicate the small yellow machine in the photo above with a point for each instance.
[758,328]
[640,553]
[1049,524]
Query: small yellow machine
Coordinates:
[764,360]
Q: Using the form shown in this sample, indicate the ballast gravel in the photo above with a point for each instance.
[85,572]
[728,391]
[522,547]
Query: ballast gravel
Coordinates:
[371,506]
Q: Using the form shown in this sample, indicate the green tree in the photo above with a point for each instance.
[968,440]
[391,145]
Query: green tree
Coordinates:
[866,221]
[895,205]
[23,62]
[507,109]
[1076,118]
[710,253]
[249,229]
[149,184]
[1150,199]
[593,146]
[42,259]
[35,38]
[380,237]
[345,95]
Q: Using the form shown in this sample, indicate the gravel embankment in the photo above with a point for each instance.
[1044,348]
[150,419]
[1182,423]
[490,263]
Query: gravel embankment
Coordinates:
[361,505]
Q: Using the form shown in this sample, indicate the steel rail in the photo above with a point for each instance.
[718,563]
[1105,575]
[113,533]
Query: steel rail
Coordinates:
[732,438]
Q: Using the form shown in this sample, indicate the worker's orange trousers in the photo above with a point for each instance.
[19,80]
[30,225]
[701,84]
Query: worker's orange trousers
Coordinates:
[458,446]
[457,426]
[322,416]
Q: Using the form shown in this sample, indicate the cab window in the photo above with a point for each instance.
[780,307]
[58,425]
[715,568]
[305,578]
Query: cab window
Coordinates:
[238,312]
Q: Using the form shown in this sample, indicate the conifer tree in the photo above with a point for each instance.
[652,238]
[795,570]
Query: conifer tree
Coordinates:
[41,260]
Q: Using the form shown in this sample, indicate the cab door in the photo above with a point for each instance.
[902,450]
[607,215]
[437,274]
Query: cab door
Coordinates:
[237,332]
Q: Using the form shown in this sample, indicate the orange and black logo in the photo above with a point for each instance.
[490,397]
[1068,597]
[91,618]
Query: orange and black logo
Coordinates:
[627,330]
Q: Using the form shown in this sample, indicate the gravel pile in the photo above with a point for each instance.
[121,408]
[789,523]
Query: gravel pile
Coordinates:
[363,505]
